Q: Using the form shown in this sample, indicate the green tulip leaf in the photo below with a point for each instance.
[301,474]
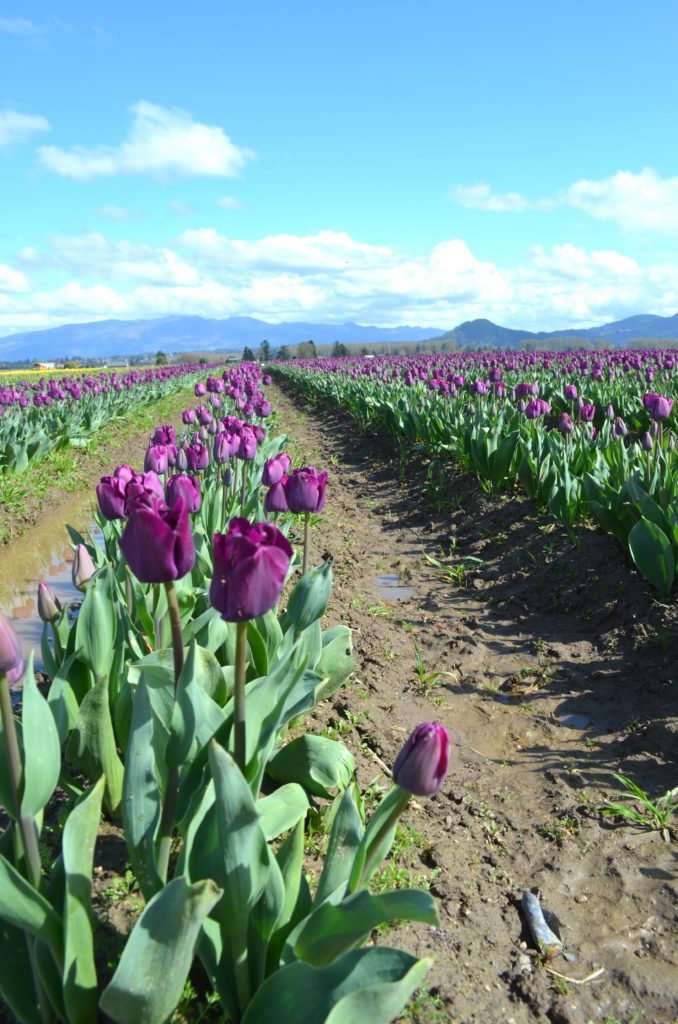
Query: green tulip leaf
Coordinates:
[380,980]
[315,762]
[92,744]
[96,625]
[308,601]
[652,552]
[345,838]
[141,794]
[150,978]
[79,975]
[42,749]
[16,976]
[281,810]
[24,907]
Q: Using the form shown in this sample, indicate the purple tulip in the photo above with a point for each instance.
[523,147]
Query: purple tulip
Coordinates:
[536,407]
[571,392]
[273,471]
[198,457]
[565,424]
[305,490]
[247,449]
[111,497]
[163,435]
[188,416]
[158,545]
[421,765]
[186,487]
[83,568]
[144,489]
[155,460]
[646,441]
[49,607]
[250,566]
[124,472]
[587,412]
[275,500]
[11,658]
[221,451]
[200,389]
[659,406]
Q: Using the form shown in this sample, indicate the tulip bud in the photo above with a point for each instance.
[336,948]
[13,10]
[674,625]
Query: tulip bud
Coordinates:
[305,490]
[646,441]
[158,543]
[250,566]
[83,568]
[421,765]
[49,607]
[11,658]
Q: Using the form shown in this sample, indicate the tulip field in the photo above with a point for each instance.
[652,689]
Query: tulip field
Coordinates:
[55,410]
[172,687]
[293,765]
[588,436]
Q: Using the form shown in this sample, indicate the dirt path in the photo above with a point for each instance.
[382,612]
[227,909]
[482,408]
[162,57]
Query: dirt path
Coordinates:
[561,670]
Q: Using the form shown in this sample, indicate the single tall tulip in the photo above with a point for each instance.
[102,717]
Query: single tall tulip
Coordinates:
[421,765]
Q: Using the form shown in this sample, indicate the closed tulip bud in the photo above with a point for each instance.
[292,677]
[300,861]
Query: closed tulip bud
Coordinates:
[250,566]
[188,416]
[181,462]
[49,608]
[11,658]
[247,449]
[155,460]
[200,389]
[609,412]
[83,568]
[275,500]
[158,545]
[646,441]
[111,497]
[565,424]
[305,490]
[273,471]
[421,765]
[183,486]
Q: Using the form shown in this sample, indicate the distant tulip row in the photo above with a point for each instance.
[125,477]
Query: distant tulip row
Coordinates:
[37,415]
[608,453]
[170,699]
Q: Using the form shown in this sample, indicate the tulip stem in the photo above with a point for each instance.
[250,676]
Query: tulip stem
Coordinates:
[58,647]
[29,838]
[239,729]
[128,591]
[243,490]
[307,542]
[177,636]
[398,799]
[167,818]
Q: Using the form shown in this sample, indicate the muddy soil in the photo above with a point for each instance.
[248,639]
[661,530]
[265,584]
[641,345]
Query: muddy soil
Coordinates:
[552,664]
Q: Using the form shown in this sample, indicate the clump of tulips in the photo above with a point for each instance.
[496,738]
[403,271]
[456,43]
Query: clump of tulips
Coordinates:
[195,646]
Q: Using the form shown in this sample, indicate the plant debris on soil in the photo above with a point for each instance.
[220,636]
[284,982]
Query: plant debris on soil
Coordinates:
[552,664]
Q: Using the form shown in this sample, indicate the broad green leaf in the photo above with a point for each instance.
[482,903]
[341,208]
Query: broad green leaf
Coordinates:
[308,601]
[42,749]
[335,663]
[385,978]
[96,625]
[62,700]
[345,838]
[150,978]
[652,552]
[141,800]
[195,717]
[315,762]
[23,907]
[79,975]
[281,810]
[332,930]
[16,977]
[92,744]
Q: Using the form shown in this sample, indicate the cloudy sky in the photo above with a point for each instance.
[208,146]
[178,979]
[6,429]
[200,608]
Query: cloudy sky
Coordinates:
[372,160]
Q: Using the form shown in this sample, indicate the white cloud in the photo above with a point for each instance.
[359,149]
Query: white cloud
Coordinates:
[181,209]
[12,280]
[481,197]
[228,203]
[161,142]
[643,202]
[114,212]
[19,27]
[16,128]
[325,251]
[636,202]
[328,277]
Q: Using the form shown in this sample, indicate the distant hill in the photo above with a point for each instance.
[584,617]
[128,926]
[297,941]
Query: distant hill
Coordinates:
[104,338]
[618,332]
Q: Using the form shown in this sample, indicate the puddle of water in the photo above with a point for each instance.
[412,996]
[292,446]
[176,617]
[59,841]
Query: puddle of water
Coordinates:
[43,554]
[388,586]
[571,720]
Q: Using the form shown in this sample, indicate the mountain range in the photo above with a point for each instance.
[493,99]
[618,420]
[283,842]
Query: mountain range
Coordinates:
[105,338]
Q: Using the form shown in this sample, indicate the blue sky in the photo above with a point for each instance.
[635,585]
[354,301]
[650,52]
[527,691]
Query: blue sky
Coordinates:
[383,162]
